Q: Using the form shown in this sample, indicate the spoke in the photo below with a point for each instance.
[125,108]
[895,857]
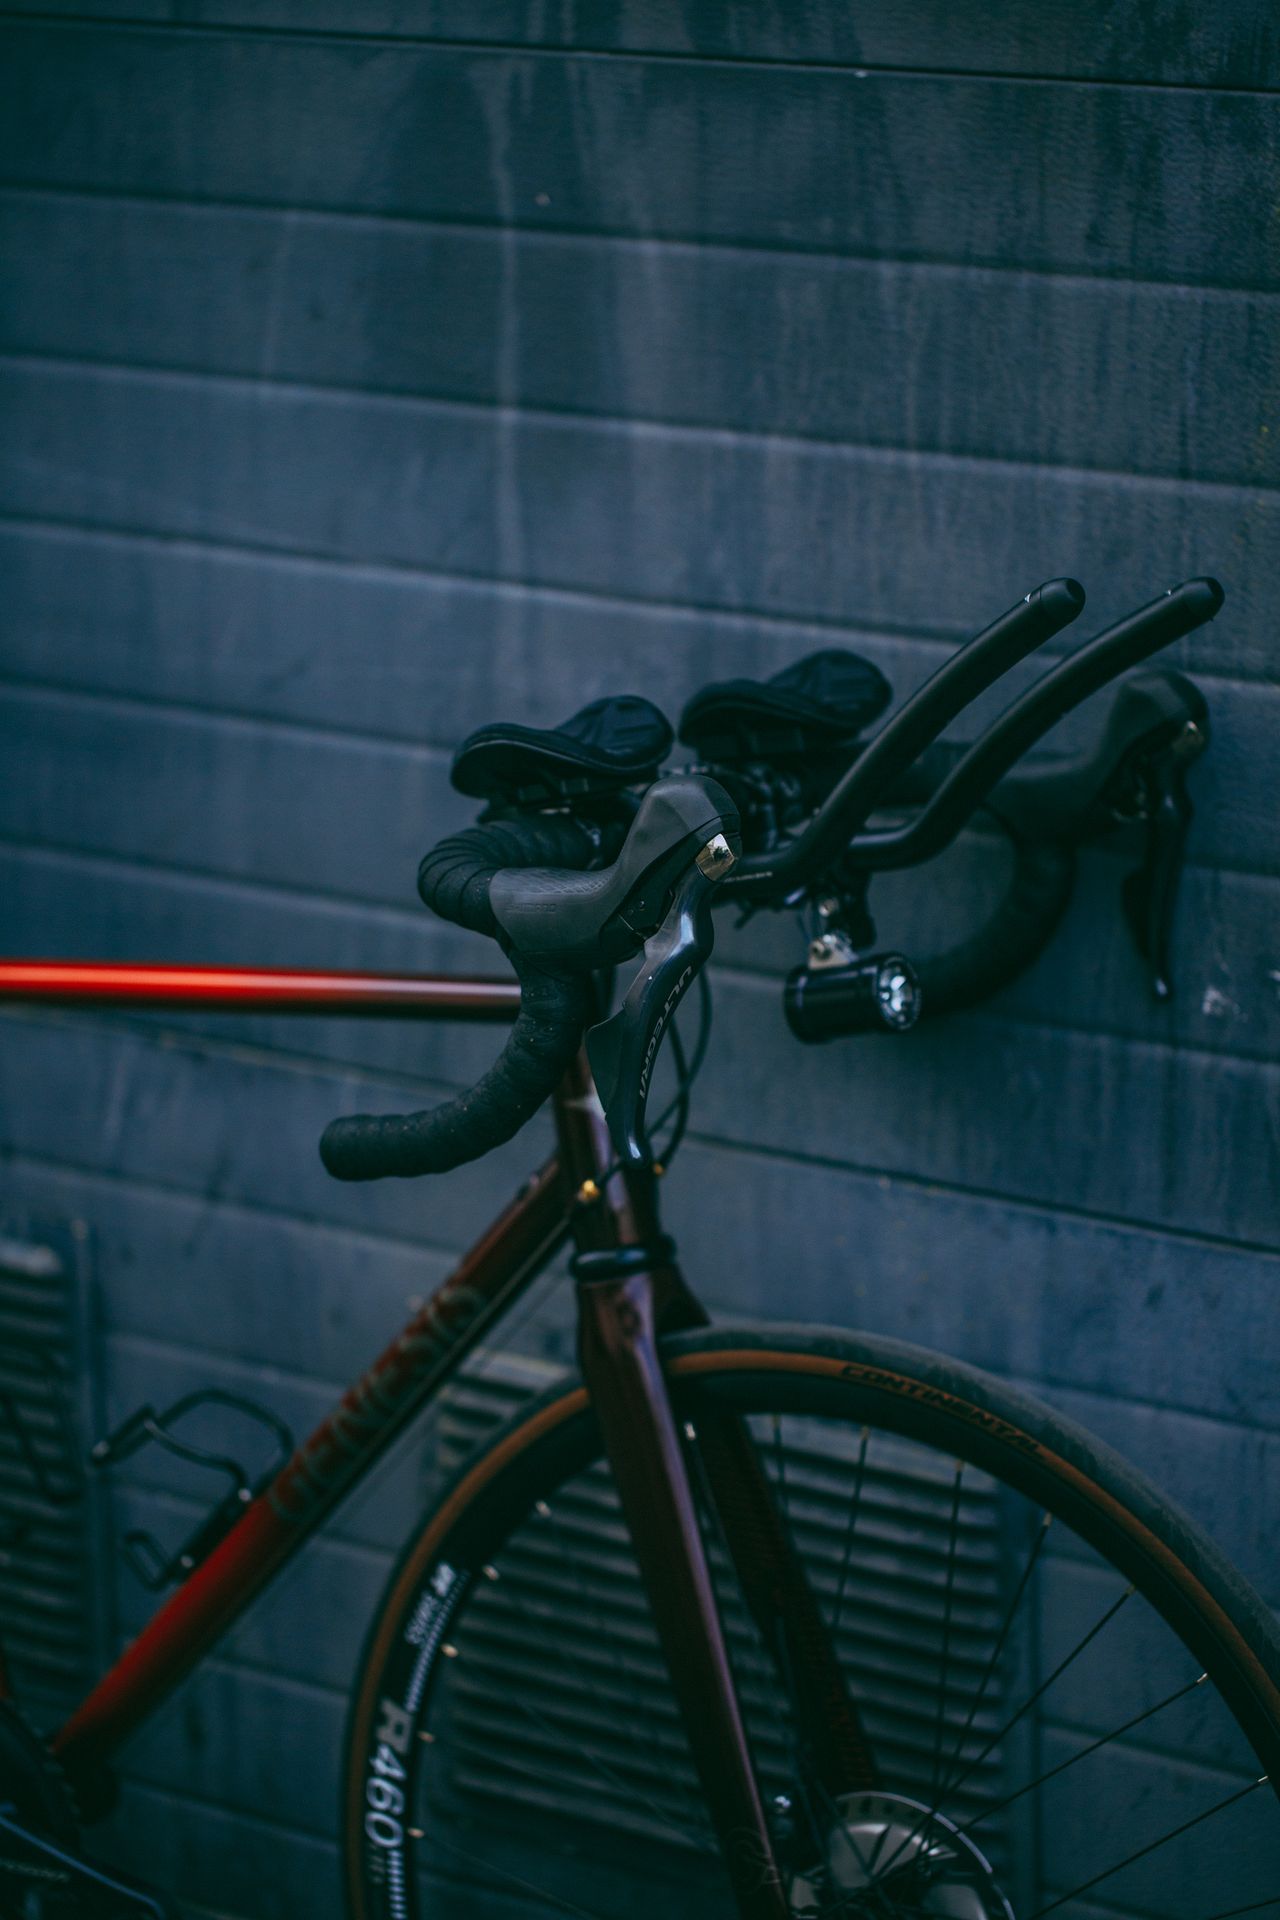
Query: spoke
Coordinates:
[850,1529]
[781,1458]
[780,1657]
[1196,1820]
[940,1724]
[1259,1906]
[514,1324]
[571,1743]
[621,1665]
[1005,1629]
[802,1780]
[513,1879]
[721,1567]
[865,1866]
[1084,1752]
[823,1841]
[688,1835]
[958,1780]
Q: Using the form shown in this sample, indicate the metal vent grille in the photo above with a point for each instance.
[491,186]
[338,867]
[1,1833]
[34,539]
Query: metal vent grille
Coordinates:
[50,1603]
[564,1633]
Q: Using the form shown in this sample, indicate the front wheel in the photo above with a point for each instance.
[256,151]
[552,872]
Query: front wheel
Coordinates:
[1073,1701]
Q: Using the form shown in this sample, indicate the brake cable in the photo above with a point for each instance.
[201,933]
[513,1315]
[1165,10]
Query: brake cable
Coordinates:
[688,1067]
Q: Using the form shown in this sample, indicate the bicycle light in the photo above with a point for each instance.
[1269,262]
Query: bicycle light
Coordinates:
[880,994]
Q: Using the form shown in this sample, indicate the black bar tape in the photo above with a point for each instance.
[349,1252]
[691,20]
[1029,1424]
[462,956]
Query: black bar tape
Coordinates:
[554,1011]
[1021,926]
[926,774]
[555,1007]
[1035,900]
[454,877]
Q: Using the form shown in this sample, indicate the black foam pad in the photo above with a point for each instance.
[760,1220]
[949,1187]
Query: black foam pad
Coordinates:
[822,701]
[611,743]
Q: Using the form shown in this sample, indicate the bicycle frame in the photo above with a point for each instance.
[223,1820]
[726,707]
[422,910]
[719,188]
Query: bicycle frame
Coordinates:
[630,1290]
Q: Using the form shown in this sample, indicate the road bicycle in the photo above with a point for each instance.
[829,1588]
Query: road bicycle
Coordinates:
[759,1621]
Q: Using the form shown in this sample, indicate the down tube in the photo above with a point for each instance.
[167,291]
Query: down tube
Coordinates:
[323,1470]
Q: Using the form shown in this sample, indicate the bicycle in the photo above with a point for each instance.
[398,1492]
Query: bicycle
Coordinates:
[759,1621]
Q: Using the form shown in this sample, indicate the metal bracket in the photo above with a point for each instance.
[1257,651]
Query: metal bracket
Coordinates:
[147,1558]
[14,1530]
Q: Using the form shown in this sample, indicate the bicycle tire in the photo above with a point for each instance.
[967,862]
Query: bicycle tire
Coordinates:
[918,1399]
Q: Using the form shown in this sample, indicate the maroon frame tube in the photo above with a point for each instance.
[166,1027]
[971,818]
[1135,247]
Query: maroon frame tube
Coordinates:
[258,989]
[580,1192]
[623,1372]
[516,1248]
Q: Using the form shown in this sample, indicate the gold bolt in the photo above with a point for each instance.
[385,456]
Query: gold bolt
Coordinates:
[588,1192]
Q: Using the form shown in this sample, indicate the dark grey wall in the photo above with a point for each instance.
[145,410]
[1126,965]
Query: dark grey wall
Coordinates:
[371,371]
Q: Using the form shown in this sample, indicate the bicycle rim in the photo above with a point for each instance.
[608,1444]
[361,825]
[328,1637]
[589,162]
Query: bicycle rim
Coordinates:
[1074,1702]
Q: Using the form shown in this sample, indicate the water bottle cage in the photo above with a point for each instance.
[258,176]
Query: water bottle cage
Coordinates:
[148,1560]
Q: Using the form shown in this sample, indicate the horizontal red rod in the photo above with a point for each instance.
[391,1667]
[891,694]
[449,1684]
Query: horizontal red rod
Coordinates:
[259,989]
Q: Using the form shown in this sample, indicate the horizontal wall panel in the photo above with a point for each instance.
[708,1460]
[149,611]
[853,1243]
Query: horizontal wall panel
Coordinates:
[79,749]
[424,658]
[888,165]
[308,1298]
[292,640]
[1138,1798]
[1225,952]
[1026,1112]
[1125,1672]
[1053,1297]
[232,1123]
[1031,1113]
[55,911]
[1235,45]
[1061,1300]
[1091,373]
[1225,955]
[255,1744]
[1211,1468]
[741,524]
[235,1864]
[253,1868]
[312,811]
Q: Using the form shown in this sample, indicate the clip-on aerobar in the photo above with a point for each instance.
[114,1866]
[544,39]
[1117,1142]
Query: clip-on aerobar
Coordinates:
[1179,611]
[959,681]
[657,894]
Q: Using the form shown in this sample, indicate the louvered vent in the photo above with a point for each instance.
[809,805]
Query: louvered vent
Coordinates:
[50,1595]
[564,1635]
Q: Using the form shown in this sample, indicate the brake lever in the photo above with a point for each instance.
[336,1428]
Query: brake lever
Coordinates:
[1150,891]
[622,1050]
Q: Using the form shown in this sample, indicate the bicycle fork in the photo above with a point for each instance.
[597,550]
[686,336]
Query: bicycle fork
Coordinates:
[619,1312]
